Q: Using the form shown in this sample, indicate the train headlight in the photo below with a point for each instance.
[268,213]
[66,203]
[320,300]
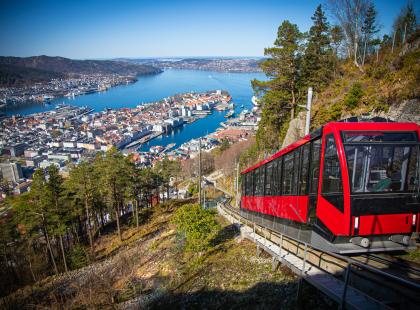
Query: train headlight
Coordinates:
[356,226]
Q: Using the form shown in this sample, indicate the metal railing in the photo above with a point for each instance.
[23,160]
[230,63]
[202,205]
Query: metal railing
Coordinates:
[351,263]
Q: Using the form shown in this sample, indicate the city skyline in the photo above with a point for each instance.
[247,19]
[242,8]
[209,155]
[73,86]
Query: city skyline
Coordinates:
[137,29]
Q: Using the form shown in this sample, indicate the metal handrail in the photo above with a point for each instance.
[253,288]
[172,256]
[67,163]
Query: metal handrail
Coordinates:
[353,262]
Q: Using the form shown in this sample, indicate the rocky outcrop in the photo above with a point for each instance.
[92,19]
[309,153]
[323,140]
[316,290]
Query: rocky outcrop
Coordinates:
[406,111]
[296,129]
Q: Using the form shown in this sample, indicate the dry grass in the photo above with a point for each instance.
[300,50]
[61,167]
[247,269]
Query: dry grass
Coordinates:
[150,269]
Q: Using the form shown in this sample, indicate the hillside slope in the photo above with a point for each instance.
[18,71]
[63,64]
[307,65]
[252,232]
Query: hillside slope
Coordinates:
[151,269]
[24,70]
[385,86]
[11,75]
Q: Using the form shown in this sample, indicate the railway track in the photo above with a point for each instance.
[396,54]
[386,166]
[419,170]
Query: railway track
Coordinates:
[364,281]
[399,267]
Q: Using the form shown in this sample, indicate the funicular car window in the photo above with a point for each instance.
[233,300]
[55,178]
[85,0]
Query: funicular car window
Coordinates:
[259,181]
[303,182]
[274,178]
[331,179]
[288,174]
[255,177]
[277,176]
[378,136]
[296,171]
[382,168]
[314,167]
[268,179]
[249,185]
[243,188]
[332,188]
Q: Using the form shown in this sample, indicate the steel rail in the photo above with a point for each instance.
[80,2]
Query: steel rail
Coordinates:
[391,263]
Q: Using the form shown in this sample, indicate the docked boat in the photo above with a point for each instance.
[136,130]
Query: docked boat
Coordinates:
[60,105]
[230,114]
[169,147]
[255,101]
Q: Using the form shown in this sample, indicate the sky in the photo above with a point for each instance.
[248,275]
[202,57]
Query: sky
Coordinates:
[97,29]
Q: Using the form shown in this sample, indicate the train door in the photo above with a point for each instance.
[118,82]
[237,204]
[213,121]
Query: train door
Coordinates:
[330,203]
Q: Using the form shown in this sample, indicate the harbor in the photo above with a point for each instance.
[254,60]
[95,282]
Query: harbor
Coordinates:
[114,106]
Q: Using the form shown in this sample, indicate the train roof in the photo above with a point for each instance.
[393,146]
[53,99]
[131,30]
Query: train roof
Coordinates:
[353,123]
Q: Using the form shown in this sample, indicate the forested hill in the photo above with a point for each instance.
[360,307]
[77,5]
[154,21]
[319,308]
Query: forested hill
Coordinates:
[18,70]
[351,74]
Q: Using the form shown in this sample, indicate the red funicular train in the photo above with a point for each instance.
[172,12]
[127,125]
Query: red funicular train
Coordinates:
[348,187]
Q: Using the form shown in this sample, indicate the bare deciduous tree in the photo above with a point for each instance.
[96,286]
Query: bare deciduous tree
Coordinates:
[350,14]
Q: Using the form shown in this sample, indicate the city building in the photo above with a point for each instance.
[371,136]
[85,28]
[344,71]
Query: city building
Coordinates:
[11,171]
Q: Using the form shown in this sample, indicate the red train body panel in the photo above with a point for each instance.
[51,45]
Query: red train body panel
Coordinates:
[279,206]
[348,180]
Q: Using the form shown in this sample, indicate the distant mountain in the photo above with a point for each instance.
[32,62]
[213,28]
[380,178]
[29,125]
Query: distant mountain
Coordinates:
[11,75]
[18,70]
[221,64]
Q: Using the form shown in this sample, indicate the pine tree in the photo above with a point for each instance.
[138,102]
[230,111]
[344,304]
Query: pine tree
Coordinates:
[317,63]
[113,171]
[280,93]
[82,185]
[369,28]
[58,213]
[167,169]
[32,210]
[337,37]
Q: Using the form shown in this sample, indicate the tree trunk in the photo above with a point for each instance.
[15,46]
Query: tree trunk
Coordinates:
[405,33]
[356,44]
[393,41]
[102,218]
[364,52]
[137,212]
[74,232]
[80,228]
[47,238]
[292,113]
[355,53]
[32,271]
[117,218]
[60,237]
[88,227]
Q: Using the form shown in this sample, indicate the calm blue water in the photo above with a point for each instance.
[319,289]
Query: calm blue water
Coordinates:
[157,87]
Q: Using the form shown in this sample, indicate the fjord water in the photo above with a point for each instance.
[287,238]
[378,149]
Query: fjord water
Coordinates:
[156,87]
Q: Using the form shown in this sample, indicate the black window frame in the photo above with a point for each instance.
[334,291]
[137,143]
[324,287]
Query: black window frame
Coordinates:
[413,134]
[268,189]
[296,171]
[285,172]
[255,175]
[278,175]
[315,163]
[304,169]
[336,198]
[250,183]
